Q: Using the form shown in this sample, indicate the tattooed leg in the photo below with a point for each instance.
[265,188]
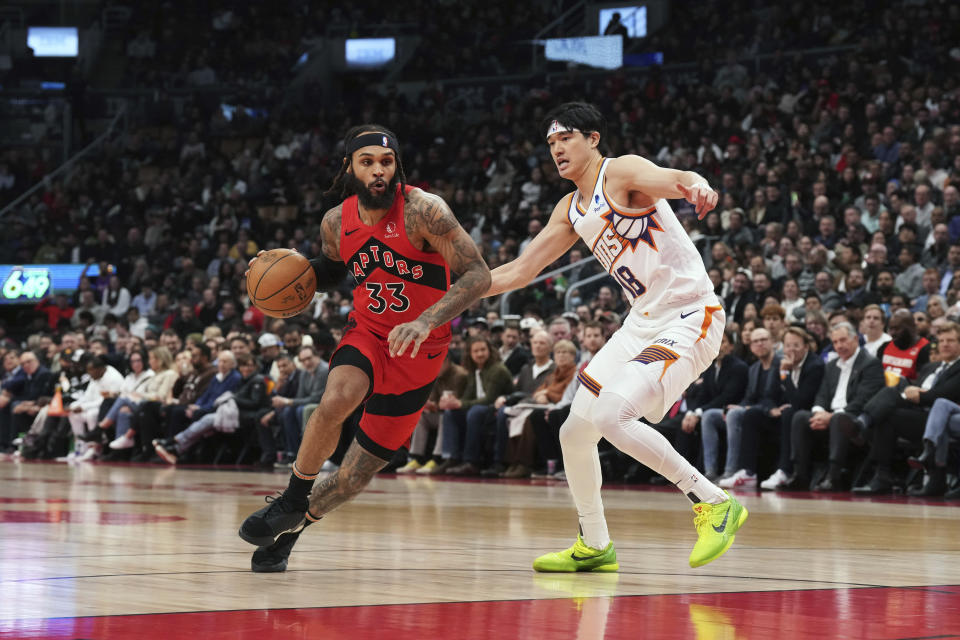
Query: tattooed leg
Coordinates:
[358,468]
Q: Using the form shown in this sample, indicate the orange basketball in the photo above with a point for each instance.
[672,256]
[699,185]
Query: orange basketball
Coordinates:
[281,283]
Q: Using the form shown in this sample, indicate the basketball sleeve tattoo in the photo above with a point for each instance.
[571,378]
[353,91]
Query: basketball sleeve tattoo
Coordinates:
[329,267]
[428,216]
[355,473]
[437,224]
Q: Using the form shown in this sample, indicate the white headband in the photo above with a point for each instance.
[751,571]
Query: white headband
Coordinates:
[556,127]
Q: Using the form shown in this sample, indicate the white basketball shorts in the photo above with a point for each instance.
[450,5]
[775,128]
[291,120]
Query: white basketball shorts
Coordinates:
[652,359]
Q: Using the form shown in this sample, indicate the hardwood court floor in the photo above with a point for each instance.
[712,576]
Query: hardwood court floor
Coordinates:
[113,551]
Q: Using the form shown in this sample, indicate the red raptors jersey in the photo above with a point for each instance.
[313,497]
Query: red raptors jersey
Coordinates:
[396,282]
[903,362]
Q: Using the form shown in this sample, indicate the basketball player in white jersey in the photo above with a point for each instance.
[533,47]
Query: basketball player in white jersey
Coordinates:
[668,339]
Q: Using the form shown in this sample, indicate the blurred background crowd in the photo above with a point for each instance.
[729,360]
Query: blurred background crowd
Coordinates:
[831,132]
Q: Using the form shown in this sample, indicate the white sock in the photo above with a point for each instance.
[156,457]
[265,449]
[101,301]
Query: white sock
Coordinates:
[618,422]
[581,461]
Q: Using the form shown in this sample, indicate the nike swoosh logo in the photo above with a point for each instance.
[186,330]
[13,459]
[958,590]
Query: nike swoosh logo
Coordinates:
[346,233]
[431,356]
[576,557]
[723,525]
[684,316]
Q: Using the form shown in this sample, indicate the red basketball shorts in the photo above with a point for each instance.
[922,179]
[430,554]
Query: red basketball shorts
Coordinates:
[400,387]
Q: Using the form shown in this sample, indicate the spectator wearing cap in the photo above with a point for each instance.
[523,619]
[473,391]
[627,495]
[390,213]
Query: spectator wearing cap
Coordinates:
[269,345]
[478,327]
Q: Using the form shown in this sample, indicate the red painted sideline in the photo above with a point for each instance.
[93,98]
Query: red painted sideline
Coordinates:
[876,613]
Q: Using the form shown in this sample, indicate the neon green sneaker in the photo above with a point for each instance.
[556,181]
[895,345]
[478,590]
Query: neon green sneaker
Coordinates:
[579,557]
[716,525]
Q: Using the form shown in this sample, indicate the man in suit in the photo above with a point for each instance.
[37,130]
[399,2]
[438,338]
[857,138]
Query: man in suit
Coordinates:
[739,297]
[22,398]
[750,416]
[512,352]
[723,383]
[894,413]
[849,381]
[800,374]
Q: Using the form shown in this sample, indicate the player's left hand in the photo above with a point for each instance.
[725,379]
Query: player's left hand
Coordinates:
[701,196]
[406,335]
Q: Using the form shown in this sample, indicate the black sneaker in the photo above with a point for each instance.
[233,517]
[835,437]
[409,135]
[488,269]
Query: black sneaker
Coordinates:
[273,559]
[264,526]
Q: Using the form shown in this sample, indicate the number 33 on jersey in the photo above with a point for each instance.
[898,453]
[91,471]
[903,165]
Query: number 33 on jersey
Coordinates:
[396,281]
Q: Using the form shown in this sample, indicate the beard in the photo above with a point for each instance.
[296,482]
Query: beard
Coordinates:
[368,199]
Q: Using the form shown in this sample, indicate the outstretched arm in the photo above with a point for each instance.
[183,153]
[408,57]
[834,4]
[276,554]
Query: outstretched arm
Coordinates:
[639,174]
[435,222]
[552,242]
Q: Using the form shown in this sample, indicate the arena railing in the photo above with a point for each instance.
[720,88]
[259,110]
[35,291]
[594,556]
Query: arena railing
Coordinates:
[505,297]
[574,286]
[68,166]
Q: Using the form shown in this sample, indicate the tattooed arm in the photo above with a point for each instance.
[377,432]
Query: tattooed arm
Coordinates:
[330,248]
[355,473]
[432,219]
[328,267]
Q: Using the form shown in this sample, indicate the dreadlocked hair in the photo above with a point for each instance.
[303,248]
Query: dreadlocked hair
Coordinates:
[340,187]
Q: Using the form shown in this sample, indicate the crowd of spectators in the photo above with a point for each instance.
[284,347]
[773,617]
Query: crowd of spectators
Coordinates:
[839,221]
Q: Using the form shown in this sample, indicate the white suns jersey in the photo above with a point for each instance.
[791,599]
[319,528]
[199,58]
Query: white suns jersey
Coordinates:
[647,251]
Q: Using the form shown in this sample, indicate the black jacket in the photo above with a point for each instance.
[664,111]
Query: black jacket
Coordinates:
[763,388]
[517,358]
[947,386]
[709,392]
[251,395]
[866,380]
[39,385]
[802,395]
[745,298]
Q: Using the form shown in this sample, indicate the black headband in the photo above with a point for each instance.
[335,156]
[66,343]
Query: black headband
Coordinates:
[373,140]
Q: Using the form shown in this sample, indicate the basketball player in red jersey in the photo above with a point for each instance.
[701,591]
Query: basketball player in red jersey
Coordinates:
[400,244]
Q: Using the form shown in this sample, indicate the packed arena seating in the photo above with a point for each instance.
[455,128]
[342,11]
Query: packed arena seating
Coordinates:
[832,135]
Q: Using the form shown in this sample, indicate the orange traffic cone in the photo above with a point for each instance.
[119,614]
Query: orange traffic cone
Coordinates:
[56,404]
